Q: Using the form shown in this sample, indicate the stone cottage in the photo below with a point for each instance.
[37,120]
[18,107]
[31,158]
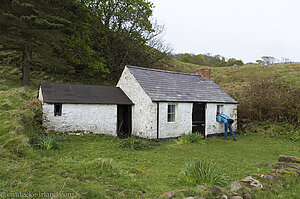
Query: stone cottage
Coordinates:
[147,103]
[168,104]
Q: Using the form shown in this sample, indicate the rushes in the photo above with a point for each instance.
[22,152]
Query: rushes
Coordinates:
[134,144]
[203,172]
[47,142]
[188,138]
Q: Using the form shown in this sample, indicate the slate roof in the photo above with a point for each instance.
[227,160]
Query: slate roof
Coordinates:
[169,86]
[83,94]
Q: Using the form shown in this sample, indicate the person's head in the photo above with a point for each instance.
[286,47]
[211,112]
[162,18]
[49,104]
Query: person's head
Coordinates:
[218,113]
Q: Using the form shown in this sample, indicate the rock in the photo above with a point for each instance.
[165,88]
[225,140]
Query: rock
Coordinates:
[236,197]
[235,186]
[170,194]
[252,182]
[215,189]
[199,197]
[269,178]
[247,196]
[279,172]
[234,194]
[201,187]
[223,197]
[284,158]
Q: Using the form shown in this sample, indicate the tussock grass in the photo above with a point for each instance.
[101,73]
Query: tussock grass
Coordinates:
[102,166]
[135,144]
[203,172]
[47,142]
[189,138]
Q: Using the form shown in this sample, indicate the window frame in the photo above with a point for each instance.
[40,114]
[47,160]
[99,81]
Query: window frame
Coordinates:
[171,113]
[59,111]
[220,108]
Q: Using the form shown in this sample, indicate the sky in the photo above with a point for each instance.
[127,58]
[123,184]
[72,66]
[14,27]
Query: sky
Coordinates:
[241,29]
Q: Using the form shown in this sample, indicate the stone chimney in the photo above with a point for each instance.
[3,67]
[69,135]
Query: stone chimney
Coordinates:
[204,72]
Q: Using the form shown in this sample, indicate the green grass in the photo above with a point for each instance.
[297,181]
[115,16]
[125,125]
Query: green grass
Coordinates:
[95,166]
[78,162]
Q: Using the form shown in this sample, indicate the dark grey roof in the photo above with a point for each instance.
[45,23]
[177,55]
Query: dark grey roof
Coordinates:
[162,85]
[83,94]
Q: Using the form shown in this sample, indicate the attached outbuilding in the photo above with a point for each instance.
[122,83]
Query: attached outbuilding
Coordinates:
[168,104]
[84,108]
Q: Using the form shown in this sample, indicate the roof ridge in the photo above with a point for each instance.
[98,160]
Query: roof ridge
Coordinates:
[164,71]
[75,84]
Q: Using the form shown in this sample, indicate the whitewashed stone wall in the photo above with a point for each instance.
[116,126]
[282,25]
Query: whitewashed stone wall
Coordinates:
[143,110]
[214,127]
[183,120]
[95,118]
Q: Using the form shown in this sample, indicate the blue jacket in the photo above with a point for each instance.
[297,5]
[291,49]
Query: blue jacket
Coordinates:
[222,118]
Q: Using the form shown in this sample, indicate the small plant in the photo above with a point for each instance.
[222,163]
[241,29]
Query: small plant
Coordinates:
[188,138]
[134,144]
[47,142]
[102,166]
[202,172]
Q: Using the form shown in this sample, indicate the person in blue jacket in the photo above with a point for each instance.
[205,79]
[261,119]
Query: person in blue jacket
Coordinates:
[223,118]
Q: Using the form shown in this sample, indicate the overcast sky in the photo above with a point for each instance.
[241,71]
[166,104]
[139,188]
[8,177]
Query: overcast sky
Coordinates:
[242,29]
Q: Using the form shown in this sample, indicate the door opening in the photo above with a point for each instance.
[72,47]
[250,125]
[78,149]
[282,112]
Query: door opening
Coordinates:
[124,121]
[198,118]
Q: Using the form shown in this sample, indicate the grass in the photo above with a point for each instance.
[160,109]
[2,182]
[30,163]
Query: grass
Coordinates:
[203,172]
[78,164]
[95,166]
[189,138]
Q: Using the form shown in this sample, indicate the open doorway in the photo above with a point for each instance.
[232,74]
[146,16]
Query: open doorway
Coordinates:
[124,121]
[198,118]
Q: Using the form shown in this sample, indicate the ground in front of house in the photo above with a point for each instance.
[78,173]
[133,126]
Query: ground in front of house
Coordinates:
[74,170]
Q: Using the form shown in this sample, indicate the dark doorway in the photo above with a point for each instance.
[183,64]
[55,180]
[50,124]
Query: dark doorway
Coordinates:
[124,121]
[198,118]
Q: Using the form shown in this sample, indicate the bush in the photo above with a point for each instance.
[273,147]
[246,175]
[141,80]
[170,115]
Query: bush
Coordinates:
[189,138]
[134,144]
[202,172]
[268,99]
[47,142]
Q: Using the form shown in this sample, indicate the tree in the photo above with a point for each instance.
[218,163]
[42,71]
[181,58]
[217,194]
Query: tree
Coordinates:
[268,60]
[233,61]
[26,24]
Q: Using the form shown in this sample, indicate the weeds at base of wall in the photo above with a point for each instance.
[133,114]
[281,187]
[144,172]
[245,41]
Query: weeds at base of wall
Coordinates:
[135,144]
[189,138]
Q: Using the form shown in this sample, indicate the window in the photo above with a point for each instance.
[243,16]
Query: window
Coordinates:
[171,112]
[219,108]
[57,109]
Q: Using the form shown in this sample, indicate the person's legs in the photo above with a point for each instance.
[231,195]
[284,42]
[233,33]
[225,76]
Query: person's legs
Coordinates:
[226,129]
[231,131]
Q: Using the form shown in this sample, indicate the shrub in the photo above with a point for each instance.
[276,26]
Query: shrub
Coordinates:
[203,172]
[268,99]
[47,142]
[189,138]
[134,144]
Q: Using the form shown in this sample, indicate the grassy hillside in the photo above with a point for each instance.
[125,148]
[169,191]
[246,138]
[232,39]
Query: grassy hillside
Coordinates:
[94,166]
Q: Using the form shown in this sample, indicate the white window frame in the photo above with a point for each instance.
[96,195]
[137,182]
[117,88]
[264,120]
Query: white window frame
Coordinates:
[220,108]
[172,113]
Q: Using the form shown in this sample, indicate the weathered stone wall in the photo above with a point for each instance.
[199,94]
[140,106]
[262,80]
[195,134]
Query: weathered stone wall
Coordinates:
[183,120]
[214,127]
[95,118]
[143,110]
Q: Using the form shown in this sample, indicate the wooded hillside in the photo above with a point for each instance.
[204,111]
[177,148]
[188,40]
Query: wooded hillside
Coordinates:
[79,39]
